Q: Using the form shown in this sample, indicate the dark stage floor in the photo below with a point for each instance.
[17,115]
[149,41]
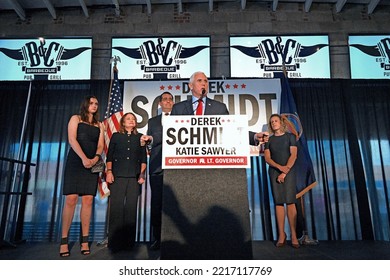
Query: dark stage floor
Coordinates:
[262,250]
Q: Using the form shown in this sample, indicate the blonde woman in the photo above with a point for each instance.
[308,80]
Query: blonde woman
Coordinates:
[280,153]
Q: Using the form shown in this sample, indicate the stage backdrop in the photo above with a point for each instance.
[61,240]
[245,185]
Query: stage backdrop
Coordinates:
[350,153]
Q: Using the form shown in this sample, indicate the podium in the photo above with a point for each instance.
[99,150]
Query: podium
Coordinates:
[205,215]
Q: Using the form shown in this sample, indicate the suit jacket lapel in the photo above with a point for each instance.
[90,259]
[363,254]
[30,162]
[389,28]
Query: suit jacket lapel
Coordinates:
[189,109]
[207,106]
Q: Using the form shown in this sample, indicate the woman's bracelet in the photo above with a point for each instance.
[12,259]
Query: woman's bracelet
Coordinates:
[97,155]
[109,170]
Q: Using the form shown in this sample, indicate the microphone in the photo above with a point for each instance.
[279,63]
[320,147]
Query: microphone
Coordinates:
[203,92]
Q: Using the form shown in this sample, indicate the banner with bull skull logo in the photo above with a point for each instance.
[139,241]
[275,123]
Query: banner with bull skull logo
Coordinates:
[45,59]
[162,58]
[262,56]
[369,56]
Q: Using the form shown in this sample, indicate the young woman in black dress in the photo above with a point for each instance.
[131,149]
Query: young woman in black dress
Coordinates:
[85,136]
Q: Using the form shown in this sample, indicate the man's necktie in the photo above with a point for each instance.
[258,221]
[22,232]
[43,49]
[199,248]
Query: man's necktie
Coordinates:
[199,109]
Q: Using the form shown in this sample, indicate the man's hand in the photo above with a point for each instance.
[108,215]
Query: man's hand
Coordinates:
[262,137]
[145,140]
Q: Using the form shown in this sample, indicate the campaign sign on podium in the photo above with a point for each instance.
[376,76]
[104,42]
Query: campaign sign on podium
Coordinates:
[219,141]
[205,199]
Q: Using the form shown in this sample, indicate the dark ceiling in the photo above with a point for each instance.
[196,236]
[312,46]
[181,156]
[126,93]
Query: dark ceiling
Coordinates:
[25,7]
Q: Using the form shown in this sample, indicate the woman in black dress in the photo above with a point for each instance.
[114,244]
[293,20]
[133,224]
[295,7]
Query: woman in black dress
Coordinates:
[280,153]
[85,136]
[126,166]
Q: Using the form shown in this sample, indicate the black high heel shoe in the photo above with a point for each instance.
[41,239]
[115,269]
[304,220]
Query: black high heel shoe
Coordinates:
[84,239]
[281,244]
[64,241]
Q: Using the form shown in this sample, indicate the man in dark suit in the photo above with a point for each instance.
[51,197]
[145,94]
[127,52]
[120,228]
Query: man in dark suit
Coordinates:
[199,85]
[153,139]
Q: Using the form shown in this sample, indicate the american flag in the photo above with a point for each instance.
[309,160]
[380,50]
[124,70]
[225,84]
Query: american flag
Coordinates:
[114,111]
[111,121]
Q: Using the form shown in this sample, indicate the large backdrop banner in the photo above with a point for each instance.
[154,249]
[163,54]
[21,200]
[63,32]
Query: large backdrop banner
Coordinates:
[256,99]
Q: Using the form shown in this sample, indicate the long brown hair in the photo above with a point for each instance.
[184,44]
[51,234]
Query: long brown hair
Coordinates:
[122,128]
[282,123]
[84,110]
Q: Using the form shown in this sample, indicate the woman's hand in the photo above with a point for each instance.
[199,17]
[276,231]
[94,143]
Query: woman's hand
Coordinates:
[281,178]
[141,181]
[95,160]
[284,169]
[109,177]
[88,163]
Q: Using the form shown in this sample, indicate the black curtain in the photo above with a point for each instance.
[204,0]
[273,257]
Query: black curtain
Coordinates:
[347,128]
[345,122]
[45,143]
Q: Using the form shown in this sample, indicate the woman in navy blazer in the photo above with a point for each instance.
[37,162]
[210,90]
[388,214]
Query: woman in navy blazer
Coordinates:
[126,166]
